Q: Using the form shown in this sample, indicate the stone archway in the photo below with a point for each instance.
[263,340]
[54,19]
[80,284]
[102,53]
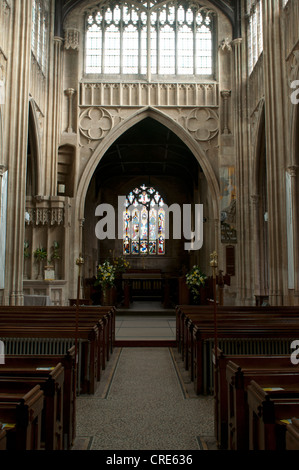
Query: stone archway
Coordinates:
[194,146]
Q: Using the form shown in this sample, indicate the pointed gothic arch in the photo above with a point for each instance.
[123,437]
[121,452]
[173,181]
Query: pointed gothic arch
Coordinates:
[34,152]
[125,125]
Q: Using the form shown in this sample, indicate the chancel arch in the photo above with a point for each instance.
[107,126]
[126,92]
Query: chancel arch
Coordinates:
[136,157]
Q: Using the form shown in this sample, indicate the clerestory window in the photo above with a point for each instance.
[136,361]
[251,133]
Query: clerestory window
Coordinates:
[149,38]
[39,33]
[255,32]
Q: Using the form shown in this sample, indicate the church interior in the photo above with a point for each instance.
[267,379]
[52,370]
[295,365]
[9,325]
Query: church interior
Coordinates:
[149,215]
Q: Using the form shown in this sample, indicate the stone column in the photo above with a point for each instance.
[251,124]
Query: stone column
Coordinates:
[55,116]
[244,268]
[225,97]
[293,171]
[17,110]
[70,93]
[276,150]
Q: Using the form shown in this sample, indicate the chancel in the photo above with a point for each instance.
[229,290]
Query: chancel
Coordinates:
[149,215]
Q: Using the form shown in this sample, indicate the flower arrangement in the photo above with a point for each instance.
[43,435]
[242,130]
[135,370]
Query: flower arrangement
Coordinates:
[195,279]
[106,275]
[121,265]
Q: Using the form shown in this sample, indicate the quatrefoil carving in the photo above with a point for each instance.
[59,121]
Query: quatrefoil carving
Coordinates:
[95,123]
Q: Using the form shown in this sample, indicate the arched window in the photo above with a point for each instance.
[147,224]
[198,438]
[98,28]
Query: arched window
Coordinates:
[171,38]
[39,33]
[144,222]
[255,32]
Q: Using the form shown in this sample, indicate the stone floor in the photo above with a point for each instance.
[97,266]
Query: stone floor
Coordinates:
[145,402]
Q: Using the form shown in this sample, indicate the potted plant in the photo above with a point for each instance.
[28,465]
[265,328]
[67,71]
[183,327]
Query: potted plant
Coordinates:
[196,280]
[106,279]
[40,254]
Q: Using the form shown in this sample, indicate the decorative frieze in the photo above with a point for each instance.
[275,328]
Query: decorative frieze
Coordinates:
[149,94]
[44,216]
[95,123]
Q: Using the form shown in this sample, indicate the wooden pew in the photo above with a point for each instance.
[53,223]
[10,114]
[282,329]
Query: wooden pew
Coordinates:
[196,313]
[103,317]
[25,364]
[292,435]
[21,415]
[222,403]
[265,336]
[269,411]
[268,371]
[51,383]
[87,346]
[201,310]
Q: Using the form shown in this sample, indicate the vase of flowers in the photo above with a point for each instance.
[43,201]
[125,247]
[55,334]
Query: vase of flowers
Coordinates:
[121,265]
[106,274]
[196,280]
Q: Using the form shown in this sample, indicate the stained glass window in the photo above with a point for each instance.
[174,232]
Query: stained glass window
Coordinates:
[144,222]
[176,38]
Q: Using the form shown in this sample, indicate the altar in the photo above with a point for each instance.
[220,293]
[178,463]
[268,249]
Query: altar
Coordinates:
[143,285]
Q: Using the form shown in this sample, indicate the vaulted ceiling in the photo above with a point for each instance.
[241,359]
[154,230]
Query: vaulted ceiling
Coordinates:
[231,8]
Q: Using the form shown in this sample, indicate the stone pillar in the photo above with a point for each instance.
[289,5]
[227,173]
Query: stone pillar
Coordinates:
[70,93]
[276,151]
[17,110]
[225,97]
[293,171]
[55,116]
[245,288]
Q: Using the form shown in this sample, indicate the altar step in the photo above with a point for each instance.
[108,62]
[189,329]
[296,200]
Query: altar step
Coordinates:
[145,324]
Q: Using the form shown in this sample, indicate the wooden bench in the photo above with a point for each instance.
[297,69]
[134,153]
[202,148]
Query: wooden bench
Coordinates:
[187,316]
[269,413]
[268,371]
[292,435]
[102,317]
[252,337]
[223,413]
[51,383]
[60,338]
[21,416]
[25,364]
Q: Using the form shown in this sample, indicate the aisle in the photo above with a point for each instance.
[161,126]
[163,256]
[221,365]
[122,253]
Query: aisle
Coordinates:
[143,404]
